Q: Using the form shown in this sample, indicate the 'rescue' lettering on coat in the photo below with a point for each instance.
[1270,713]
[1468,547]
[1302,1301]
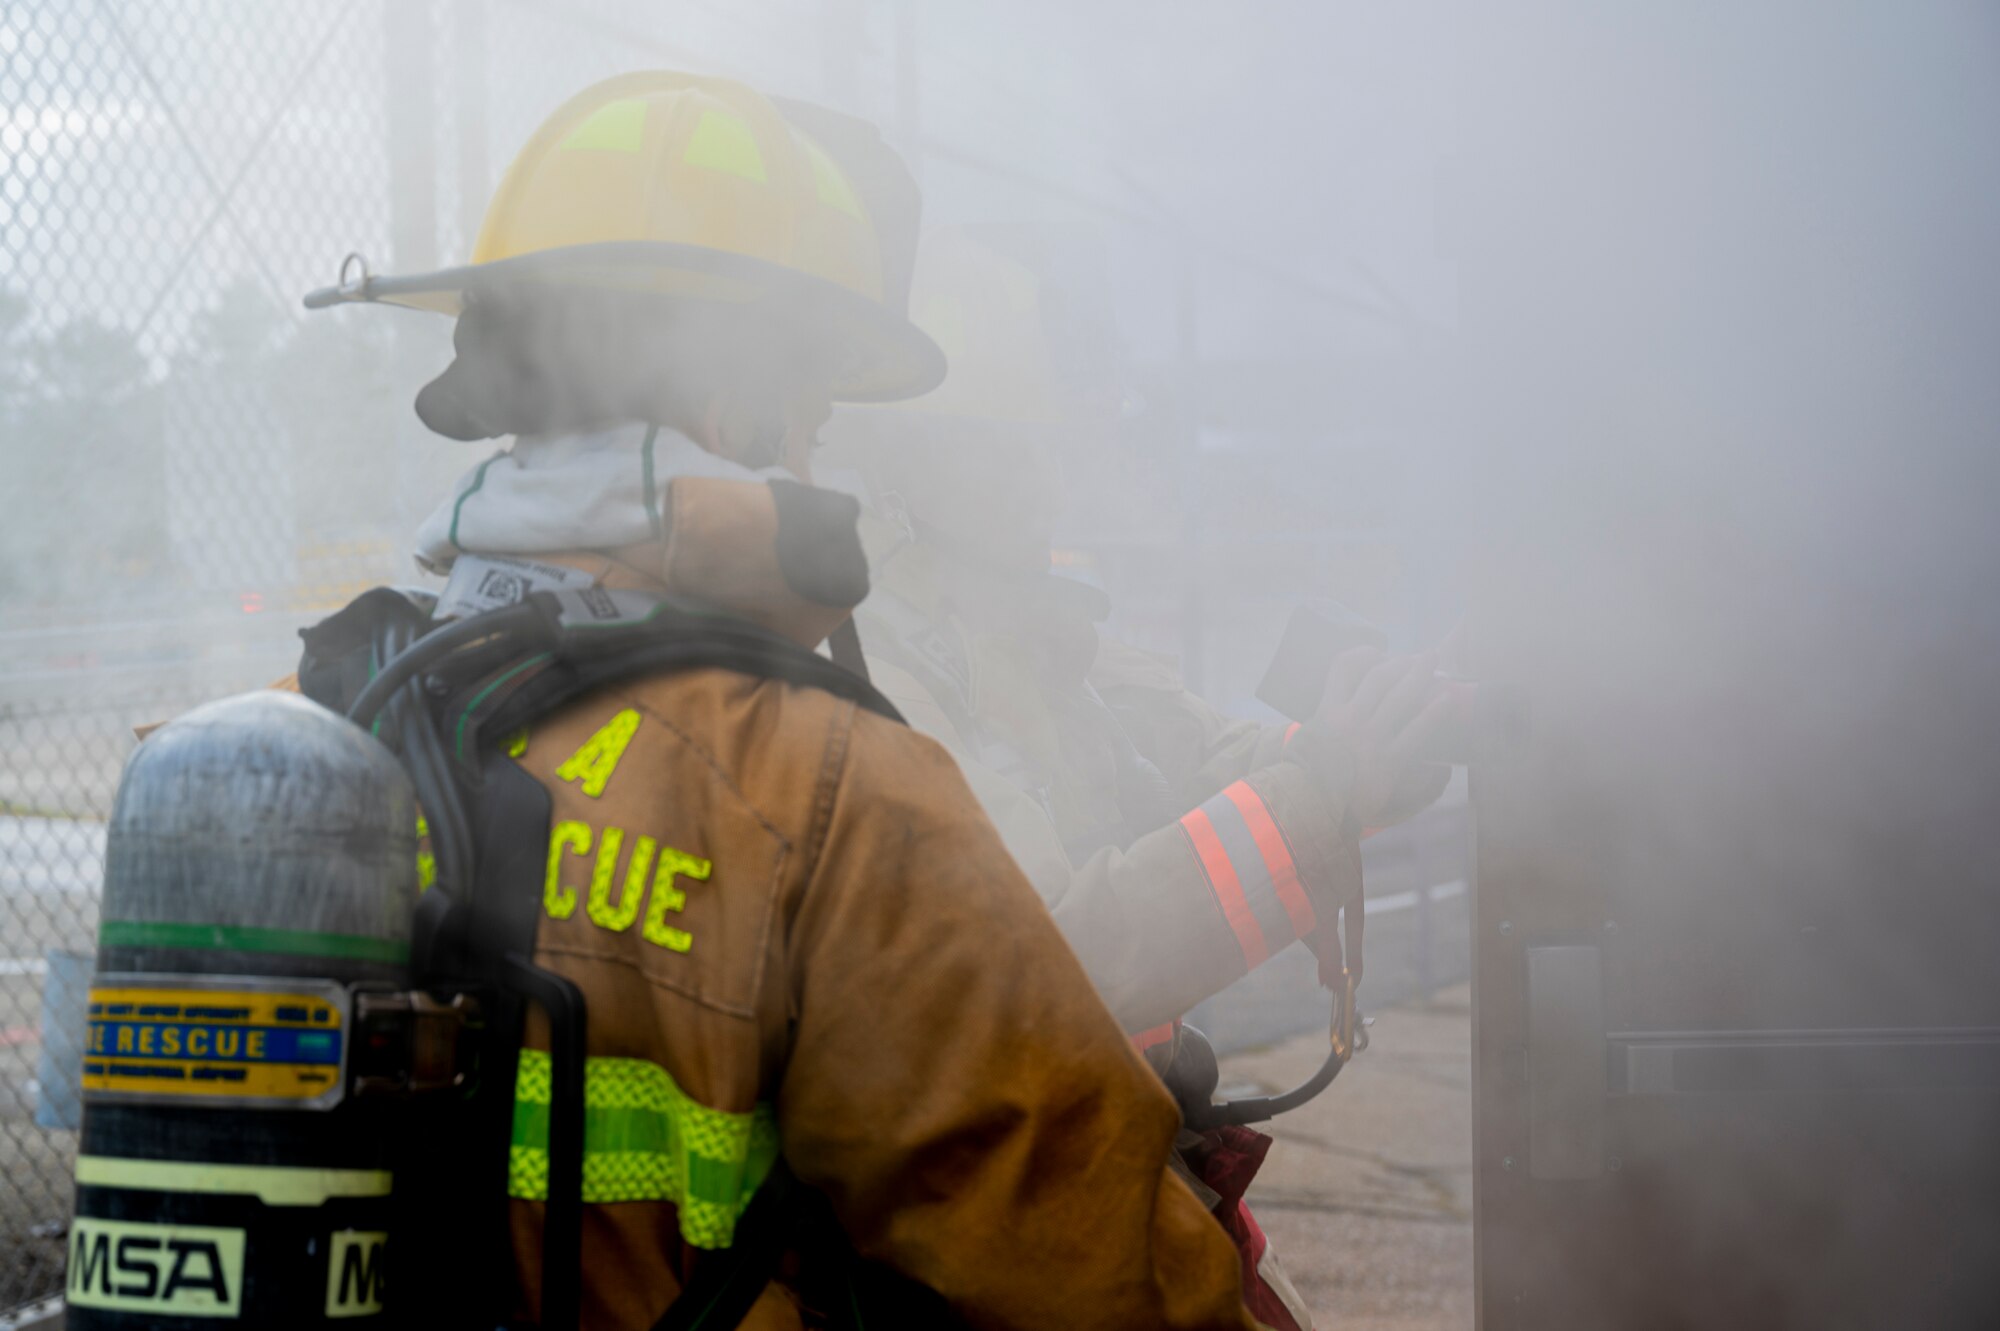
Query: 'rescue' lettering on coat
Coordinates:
[594,764]
[614,899]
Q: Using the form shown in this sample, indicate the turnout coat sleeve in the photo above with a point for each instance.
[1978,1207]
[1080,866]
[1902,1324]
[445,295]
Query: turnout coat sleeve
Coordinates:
[1190,907]
[956,1089]
[1199,749]
[1262,850]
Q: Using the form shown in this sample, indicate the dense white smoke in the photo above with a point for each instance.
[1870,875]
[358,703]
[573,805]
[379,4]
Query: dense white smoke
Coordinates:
[1656,343]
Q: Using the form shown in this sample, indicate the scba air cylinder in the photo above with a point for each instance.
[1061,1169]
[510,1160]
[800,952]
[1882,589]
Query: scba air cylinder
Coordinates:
[261,862]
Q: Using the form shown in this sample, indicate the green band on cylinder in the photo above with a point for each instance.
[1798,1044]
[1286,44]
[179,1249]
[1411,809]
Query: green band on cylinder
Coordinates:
[243,938]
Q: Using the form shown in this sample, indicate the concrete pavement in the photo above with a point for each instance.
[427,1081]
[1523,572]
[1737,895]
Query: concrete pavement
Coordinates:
[1367,1192]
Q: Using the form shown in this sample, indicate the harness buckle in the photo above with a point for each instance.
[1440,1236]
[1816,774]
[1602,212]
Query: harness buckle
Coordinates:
[408,1042]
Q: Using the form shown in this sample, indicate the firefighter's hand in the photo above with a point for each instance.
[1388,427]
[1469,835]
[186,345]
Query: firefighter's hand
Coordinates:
[1383,711]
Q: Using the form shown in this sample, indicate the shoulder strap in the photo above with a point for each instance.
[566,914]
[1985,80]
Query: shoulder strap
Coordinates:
[452,1175]
[652,636]
[338,659]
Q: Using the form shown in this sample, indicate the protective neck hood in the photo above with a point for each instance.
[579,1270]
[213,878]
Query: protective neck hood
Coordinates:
[584,490]
[756,544]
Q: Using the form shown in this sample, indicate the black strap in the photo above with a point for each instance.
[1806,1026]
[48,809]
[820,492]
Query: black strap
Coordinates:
[819,545]
[562,1212]
[338,660]
[513,695]
[725,1284]
[451,1171]
[785,1215]
[845,645]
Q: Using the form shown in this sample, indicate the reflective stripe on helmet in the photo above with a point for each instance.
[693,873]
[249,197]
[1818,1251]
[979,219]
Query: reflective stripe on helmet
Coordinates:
[646,1140]
[722,142]
[829,183]
[618,127]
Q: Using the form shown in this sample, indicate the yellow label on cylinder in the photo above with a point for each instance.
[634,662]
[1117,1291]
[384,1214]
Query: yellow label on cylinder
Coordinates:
[240,1043]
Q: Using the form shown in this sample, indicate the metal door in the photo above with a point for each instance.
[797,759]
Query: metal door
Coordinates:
[1731,322]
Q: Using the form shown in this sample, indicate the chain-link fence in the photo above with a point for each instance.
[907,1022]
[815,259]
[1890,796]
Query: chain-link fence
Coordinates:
[173,176]
[193,466]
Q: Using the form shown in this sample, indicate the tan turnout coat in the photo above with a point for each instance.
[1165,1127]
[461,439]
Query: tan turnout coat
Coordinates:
[796,930]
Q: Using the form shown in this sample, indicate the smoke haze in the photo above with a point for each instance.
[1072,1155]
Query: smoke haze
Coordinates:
[1657,344]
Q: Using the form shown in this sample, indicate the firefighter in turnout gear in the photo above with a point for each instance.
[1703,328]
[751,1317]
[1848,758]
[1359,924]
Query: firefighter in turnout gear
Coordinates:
[1177,848]
[801,942]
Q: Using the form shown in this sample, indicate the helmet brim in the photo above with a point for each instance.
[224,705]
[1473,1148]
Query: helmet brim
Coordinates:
[872,354]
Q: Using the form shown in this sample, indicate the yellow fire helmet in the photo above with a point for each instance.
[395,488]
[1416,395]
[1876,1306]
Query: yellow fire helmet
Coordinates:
[698,190]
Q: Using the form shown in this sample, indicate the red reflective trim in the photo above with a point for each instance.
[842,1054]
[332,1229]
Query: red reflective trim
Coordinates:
[1277,855]
[1290,731]
[1227,887]
[1159,1034]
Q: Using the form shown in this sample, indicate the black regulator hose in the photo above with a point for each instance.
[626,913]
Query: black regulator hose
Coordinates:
[1259,1108]
[533,619]
[411,726]
[1193,1074]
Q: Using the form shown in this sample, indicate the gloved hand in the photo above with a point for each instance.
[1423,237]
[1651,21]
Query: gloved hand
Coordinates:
[1380,712]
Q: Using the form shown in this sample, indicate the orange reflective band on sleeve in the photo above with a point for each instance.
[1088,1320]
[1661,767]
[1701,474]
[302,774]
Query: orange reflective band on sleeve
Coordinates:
[1151,1036]
[1228,888]
[1277,853]
[1290,731]
[1249,865]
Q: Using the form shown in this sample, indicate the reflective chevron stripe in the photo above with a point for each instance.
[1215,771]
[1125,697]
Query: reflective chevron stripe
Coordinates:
[646,1140]
[1276,853]
[1153,1035]
[1249,866]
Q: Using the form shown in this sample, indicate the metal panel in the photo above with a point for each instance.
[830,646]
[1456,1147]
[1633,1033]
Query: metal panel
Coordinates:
[1745,1062]
[1565,1063]
[1734,537]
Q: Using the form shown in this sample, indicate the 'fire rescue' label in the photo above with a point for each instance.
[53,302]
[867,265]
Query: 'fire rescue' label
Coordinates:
[236,1044]
[170,1270]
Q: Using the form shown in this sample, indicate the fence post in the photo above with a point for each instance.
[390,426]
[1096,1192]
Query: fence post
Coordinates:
[469,79]
[1425,984]
[840,51]
[1193,564]
[410,118]
[909,88]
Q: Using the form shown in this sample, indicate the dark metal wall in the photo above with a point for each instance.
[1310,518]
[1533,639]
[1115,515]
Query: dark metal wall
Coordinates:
[1729,407]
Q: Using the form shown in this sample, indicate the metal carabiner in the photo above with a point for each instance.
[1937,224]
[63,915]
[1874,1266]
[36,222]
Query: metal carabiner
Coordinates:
[1342,1023]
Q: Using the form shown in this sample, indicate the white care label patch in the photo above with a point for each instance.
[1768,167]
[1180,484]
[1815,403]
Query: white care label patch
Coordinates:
[172,1270]
[488,582]
[354,1273]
